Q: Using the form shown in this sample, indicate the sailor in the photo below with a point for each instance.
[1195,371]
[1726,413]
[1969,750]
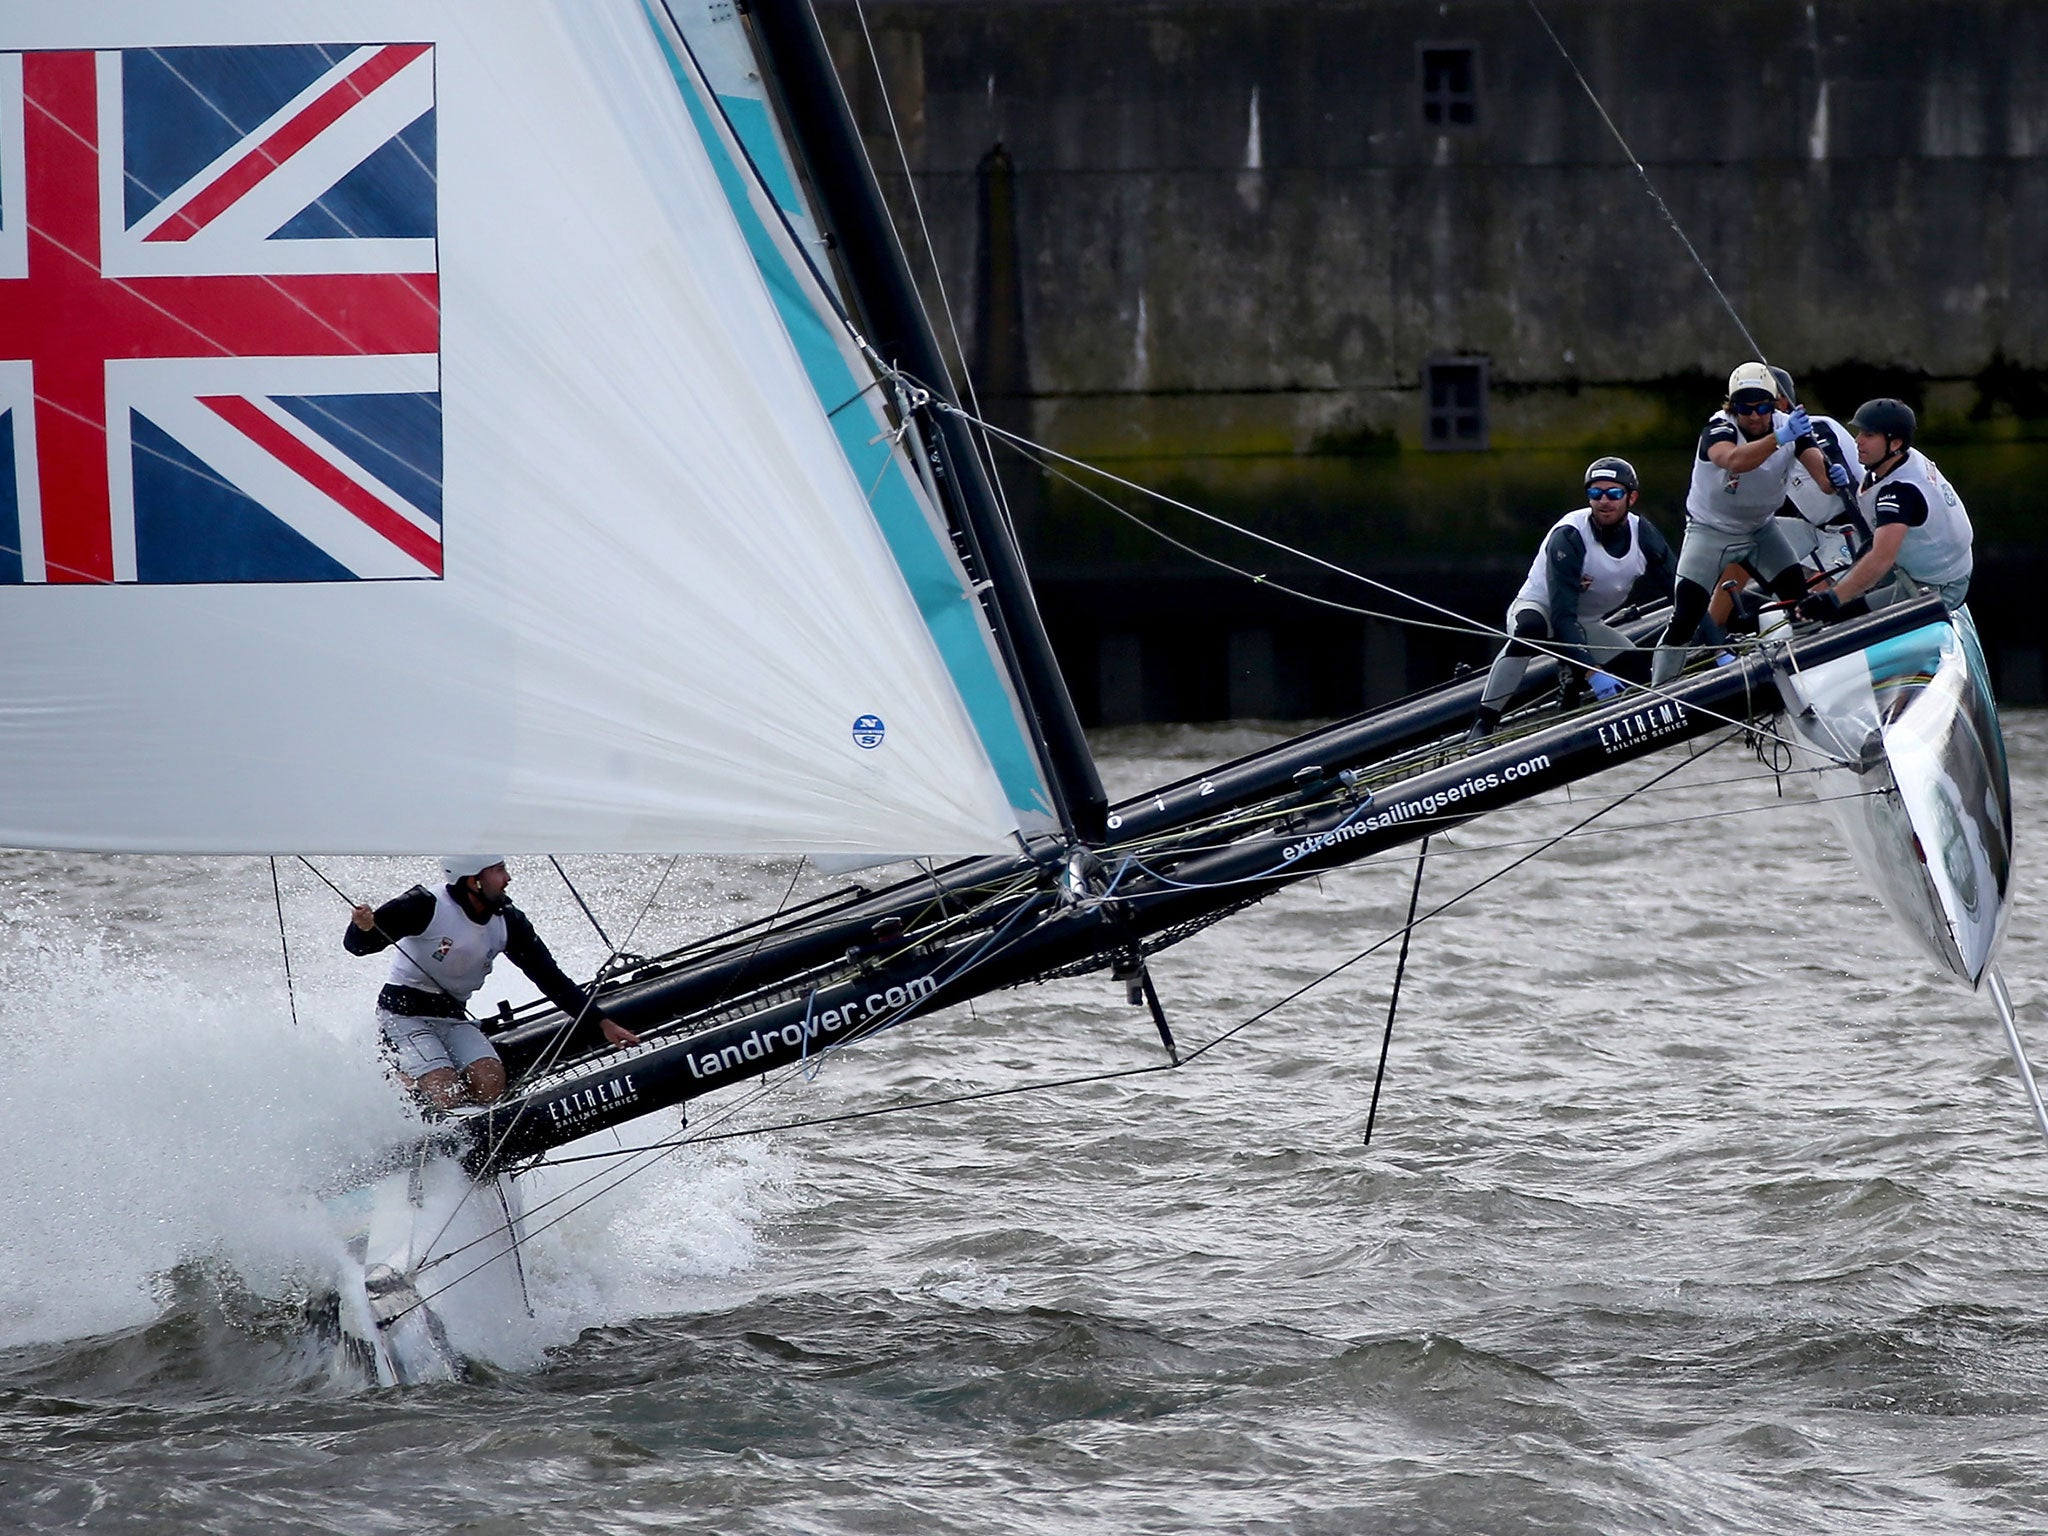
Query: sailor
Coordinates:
[1819,520]
[1745,456]
[1837,529]
[1593,560]
[1921,534]
[446,940]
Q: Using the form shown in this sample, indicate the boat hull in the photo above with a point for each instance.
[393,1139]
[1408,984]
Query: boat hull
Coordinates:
[1911,763]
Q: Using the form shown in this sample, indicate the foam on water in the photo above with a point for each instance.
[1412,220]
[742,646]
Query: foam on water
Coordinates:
[162,1112]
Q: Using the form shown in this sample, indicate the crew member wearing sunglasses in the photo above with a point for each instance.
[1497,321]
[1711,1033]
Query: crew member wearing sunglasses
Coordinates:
[1594,560]
[1746,457]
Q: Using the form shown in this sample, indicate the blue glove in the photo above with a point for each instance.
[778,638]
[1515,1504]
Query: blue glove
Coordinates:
[1605,686]
[1838,477]
[1795,426]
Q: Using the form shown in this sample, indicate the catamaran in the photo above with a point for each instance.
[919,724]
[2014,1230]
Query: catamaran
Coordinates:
[512,424]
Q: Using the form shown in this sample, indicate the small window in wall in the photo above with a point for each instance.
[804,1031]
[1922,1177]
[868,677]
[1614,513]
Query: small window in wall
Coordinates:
[1450,85]
[1455,391]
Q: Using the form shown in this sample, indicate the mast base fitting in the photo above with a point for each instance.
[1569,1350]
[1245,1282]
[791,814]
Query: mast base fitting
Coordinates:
[1129,968]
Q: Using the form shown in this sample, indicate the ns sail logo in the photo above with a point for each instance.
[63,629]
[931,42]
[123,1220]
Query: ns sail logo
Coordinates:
[868,732]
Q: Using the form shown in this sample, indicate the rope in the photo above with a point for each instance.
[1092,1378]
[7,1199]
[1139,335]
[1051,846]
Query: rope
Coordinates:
[931,252]
[603,937]
[1394,998]
[1460,622]
[291,991]
[1648,185]
[656,1152]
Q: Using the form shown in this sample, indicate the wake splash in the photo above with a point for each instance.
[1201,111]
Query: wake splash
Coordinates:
[166,1138]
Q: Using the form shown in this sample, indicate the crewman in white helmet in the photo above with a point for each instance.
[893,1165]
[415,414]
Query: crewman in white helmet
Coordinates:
[446,940]
[1921,540]
[1746,455]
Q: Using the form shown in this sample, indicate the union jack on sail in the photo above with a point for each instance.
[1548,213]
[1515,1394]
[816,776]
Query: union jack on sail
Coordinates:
[219,315]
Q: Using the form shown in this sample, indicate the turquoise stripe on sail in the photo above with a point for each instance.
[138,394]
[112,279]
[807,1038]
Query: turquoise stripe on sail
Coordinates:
[949,611]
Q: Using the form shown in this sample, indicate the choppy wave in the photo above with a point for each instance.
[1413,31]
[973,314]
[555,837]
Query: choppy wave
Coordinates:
[1693,1203]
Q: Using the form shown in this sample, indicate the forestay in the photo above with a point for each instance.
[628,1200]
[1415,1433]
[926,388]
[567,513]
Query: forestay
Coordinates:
[413,437]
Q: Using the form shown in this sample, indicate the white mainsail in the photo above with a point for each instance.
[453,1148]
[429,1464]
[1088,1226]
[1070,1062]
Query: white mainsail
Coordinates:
[422,437]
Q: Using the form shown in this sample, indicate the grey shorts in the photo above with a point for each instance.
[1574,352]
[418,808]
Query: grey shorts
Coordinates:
[1603,641]
[1707,552]
[418,1046]
[1898,587]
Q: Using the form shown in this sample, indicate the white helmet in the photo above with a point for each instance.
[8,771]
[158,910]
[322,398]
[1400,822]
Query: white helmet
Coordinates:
[1755,377]
[459,866]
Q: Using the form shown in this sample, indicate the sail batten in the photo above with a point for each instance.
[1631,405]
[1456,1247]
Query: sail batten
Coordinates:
[598,575]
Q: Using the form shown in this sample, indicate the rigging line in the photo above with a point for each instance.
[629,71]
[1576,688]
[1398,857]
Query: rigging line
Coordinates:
[682,1139]
[1648,185]
[828,291]
[767,1086]
[603,937]
[1257,578]
[1471,626]
[657,1152]
[1441,908]
[931,252]
[978,1095]
[548,1061]
[1647,826]
[388,940]
[1379,1077]
[560,1041]
[1447,849]
[291,991]
[689,1137]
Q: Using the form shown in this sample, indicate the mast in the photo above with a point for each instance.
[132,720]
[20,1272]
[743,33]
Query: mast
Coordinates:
[863,238]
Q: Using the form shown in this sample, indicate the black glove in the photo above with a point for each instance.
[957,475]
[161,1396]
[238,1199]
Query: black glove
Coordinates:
[1822,605]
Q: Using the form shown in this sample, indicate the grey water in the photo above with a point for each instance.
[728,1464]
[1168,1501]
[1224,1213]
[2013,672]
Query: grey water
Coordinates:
[1696,1202]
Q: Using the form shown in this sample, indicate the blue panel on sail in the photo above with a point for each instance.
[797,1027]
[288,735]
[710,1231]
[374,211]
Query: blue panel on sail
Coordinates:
[10,504]
[199,103]
[389,196]
[950,613]
[193,526]
[395,437]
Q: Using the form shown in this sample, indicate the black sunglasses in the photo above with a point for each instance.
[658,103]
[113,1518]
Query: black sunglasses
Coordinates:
[1764,409]
[1610,493]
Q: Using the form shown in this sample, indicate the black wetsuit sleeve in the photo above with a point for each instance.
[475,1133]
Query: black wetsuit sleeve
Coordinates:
[403,917]
[1719,430]
[1660,574]
[1566,562]
[525,950]
[1901,504]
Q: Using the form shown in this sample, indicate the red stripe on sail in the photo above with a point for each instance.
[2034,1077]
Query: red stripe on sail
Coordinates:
[291,136]
[384,520]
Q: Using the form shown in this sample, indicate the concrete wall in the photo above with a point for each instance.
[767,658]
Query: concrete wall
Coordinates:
[1219,242]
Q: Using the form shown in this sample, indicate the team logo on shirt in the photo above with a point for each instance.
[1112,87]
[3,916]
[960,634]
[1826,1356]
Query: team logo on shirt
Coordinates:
[441,949]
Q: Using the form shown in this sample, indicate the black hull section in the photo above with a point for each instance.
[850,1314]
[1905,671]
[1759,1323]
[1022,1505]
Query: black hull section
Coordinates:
[1047,925]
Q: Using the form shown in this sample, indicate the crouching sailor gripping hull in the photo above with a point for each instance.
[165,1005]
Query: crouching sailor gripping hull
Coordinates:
[446,941]
[1593,561]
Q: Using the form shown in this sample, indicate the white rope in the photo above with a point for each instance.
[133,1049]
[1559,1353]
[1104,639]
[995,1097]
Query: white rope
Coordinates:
[1648,185]
[1461,623]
